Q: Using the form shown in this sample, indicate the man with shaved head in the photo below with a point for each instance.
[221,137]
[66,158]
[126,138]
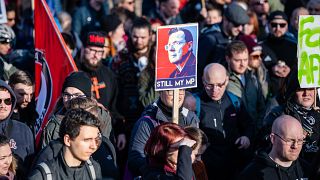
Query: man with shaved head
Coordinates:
[281,163]
[225,122]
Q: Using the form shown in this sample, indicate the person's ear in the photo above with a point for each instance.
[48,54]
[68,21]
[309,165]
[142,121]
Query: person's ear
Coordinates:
[271,136]
[189,44]
[67,140]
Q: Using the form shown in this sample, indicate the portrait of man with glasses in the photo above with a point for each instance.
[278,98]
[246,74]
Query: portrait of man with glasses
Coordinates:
[180,52]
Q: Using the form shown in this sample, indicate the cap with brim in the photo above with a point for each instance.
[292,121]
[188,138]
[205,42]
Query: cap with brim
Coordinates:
[95,39]
[277,15]
[236,14]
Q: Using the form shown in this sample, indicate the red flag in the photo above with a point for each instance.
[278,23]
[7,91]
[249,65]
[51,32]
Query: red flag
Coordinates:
[53,64]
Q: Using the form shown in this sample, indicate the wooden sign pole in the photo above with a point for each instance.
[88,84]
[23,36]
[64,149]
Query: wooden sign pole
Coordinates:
[175,114]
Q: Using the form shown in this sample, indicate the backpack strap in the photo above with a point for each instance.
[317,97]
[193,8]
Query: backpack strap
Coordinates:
[91,168]
[46,169]
[235,100]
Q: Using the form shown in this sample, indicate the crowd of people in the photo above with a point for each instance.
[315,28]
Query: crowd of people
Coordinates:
[248,118]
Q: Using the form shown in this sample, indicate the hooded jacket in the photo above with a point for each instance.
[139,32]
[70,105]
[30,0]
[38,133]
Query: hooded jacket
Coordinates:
[154,115]
[264,168]
[20,135]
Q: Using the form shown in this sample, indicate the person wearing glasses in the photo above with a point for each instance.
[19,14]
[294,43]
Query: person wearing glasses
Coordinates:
[279,50]
[19,134]
[226,123]
[243,83]
[180,52]
[104,82]
[287,138]
[81,137]
[297,102]
[157,113]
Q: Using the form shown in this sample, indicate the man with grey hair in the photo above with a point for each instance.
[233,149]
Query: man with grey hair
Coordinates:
[287,139]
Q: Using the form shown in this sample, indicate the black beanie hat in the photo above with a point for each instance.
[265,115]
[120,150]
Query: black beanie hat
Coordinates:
[78,80]
[110,23]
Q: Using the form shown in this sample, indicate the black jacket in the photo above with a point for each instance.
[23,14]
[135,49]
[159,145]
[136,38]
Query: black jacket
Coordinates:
[61,171]
[223,124]
[184,168]
[105,156]
[264,168]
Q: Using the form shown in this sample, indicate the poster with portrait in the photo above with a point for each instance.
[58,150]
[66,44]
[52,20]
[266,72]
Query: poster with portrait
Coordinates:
[3,14]
[176,57]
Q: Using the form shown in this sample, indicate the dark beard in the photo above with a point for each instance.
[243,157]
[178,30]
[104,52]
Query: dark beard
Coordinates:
[92,67]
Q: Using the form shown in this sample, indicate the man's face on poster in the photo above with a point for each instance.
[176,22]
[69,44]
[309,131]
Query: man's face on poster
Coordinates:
[177,47]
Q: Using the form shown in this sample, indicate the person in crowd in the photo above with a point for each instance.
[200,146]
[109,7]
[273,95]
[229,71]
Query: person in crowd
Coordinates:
[113,27]
[243,84]
[214,15]
[202,143]
[128,68]
[299,103]
[279,50]
[147,94]
[262,9]
[87,16]
[8,164]
[76,85]
[252,28]
[7,37]
[105,155]
[167,12]
[190,102]
[11,14]
[225,121]
[81,137]
[313,7]
[255,66]
[281,162]
[211,48]
[20,135]
[170,153]
[155,114]
[294,20]
[126,4]
[104,82]
[22,85]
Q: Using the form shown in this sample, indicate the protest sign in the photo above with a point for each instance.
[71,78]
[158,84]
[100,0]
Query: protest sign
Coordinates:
[308,51]
[3,13]
[176,58]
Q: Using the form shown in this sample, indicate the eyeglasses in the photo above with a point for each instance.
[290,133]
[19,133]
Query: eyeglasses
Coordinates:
[255,57]
[211,86]
[95,52]
[261,2]
[69,96]
[291,142]
[282,25]
[7,101]
[170,93]
[175,44]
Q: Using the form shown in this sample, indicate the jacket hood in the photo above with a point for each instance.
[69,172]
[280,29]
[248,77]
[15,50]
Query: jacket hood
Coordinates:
[13,97]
